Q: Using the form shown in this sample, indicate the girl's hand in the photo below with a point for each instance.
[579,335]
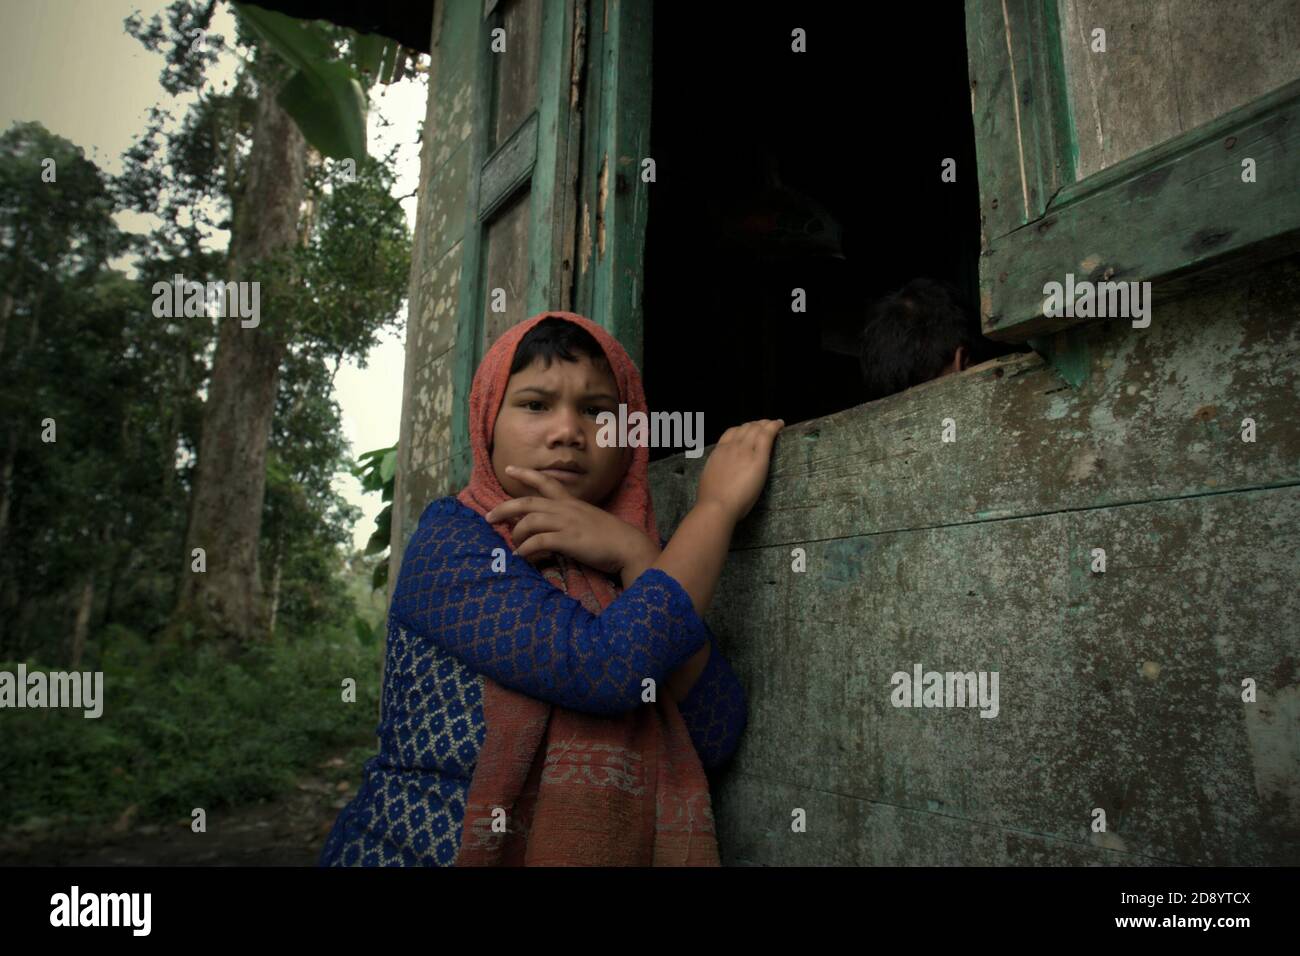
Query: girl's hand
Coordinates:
[554,520]
[736,471]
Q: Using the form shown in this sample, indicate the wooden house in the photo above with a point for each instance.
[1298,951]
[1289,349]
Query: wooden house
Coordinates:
[674,172]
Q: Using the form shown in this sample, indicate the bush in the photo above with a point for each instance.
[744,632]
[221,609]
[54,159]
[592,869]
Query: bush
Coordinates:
[196,732]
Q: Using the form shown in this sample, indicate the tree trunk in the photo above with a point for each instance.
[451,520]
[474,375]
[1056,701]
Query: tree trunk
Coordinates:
[226,602]
[9,601]
[7,458]
[275,590]
[27,607]
[82,624]
[10,452]
[6,310]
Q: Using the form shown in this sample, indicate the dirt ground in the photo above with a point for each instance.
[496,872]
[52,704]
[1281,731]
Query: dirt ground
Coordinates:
[288,831]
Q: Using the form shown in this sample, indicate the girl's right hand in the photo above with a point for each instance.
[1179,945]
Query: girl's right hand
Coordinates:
[736,471]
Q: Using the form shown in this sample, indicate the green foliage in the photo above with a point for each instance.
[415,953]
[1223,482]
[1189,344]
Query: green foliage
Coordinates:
[326,95]
[65,360]
[329,107]
[179,733]
[107,502]
[355,270]
[376,469]
[186,59]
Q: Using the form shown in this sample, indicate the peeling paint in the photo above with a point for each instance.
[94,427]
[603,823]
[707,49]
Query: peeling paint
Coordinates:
[1084,466]
[1057,409]
[602,197]
[1273,727]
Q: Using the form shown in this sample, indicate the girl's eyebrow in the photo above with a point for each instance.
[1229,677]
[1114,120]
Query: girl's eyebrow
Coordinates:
[547,393]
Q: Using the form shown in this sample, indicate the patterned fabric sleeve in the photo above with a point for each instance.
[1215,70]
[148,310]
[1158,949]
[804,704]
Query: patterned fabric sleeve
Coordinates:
[521,631]
[714,710]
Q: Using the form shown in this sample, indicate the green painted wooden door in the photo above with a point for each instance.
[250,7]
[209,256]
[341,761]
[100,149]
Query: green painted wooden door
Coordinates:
[521,193]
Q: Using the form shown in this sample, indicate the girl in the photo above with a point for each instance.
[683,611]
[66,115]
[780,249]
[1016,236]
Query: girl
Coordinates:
[552,695]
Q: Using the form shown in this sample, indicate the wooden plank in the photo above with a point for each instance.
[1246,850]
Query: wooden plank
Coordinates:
[449,126]
[614,242]
[1170,66]
[471,299]
[753,816]
[553,200]
[1023,138]
[1118,691]
[509,168]
[509,267]
[445,208]
[1162,216]
[517,74]
[591,84]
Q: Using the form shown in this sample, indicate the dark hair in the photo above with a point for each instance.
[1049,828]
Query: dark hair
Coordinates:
[554,338]
[910,335]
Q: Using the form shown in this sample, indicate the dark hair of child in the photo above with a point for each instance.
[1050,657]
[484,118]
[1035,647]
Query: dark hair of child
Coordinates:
[554,338]
[911,335]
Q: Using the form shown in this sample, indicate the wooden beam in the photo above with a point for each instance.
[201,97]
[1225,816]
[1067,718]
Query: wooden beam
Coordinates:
[509,168]
[1024,141]
[1173,215]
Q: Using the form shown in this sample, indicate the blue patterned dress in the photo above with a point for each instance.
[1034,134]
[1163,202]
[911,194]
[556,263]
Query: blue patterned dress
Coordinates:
[455,620]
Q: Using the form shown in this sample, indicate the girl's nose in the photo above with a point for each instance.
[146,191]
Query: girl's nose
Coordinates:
[568,425]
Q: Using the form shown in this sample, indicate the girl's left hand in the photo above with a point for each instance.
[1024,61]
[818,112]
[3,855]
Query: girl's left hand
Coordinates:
[554,520]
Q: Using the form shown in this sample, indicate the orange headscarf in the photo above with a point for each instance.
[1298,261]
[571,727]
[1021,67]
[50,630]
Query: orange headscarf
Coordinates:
[579,789]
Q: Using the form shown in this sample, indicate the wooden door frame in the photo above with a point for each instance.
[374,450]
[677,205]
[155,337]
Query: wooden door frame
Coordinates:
[540,155]
[615,202]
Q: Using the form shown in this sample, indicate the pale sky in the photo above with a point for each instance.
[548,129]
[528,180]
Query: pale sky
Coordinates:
[72,66]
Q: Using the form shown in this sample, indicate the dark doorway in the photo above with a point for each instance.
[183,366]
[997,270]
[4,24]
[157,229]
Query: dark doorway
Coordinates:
[817,170]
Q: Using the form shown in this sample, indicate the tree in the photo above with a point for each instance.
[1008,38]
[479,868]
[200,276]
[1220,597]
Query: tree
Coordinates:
[297,266]
[57,306]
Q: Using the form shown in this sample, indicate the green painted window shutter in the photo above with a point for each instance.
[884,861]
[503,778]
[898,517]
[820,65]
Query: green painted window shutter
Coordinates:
[1175,213]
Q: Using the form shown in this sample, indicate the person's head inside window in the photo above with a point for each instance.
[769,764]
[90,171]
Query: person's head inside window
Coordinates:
[560,381]
[913,335]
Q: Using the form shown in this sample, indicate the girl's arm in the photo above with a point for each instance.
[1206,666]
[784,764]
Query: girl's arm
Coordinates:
[705,688]
[694,560]
[715,710]
[695,555]
[711,701]
[732,480]
[681,681]
[515,627]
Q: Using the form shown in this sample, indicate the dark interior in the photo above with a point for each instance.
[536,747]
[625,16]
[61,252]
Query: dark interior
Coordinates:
[817,170]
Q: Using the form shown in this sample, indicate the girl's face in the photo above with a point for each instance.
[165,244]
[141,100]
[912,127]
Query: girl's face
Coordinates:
[548,416]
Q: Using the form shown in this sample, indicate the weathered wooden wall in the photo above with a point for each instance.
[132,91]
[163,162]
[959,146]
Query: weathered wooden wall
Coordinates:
[425,439]
[1169,66]
[1119,690]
